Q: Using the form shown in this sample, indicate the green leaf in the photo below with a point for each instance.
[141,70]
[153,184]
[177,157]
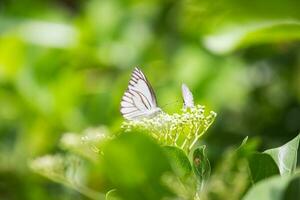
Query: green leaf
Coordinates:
[262,166]
[179,161]
[244,142]
[183,183]
[201,166]
[135,164]
[244,35]
[271,189]
[237,24]
[247,147]
[112,195]
[286,156]
[293,190]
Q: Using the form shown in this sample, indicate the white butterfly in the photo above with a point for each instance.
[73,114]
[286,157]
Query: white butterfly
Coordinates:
[188,99]
[139,100]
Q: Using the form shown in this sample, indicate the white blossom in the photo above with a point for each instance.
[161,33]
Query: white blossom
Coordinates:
[182,130]
[87,144]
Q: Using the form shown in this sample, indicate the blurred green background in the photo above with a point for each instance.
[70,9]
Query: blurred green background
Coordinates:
[64,65]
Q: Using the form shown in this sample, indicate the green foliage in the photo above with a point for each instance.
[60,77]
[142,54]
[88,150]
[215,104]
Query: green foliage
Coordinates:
[286,156]
[281,186]
[64,66]
[201,166]
[292,190]
[235,24]
[272,188]
[230,178]
[112,195]
[262,166]
[64,170]
[247,174]
[179,161]
[128,162]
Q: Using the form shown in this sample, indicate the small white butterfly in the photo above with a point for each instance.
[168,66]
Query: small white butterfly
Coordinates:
[188,99]
[139,100]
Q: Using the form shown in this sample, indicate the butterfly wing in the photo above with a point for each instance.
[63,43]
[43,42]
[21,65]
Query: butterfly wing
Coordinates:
[139,99]
[188,99]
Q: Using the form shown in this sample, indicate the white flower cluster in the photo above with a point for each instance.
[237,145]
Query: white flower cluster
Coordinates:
[64,169]
[182,130]
[51,166]
[86,144]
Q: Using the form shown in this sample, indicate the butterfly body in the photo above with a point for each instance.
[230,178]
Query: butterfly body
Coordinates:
[139,100]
